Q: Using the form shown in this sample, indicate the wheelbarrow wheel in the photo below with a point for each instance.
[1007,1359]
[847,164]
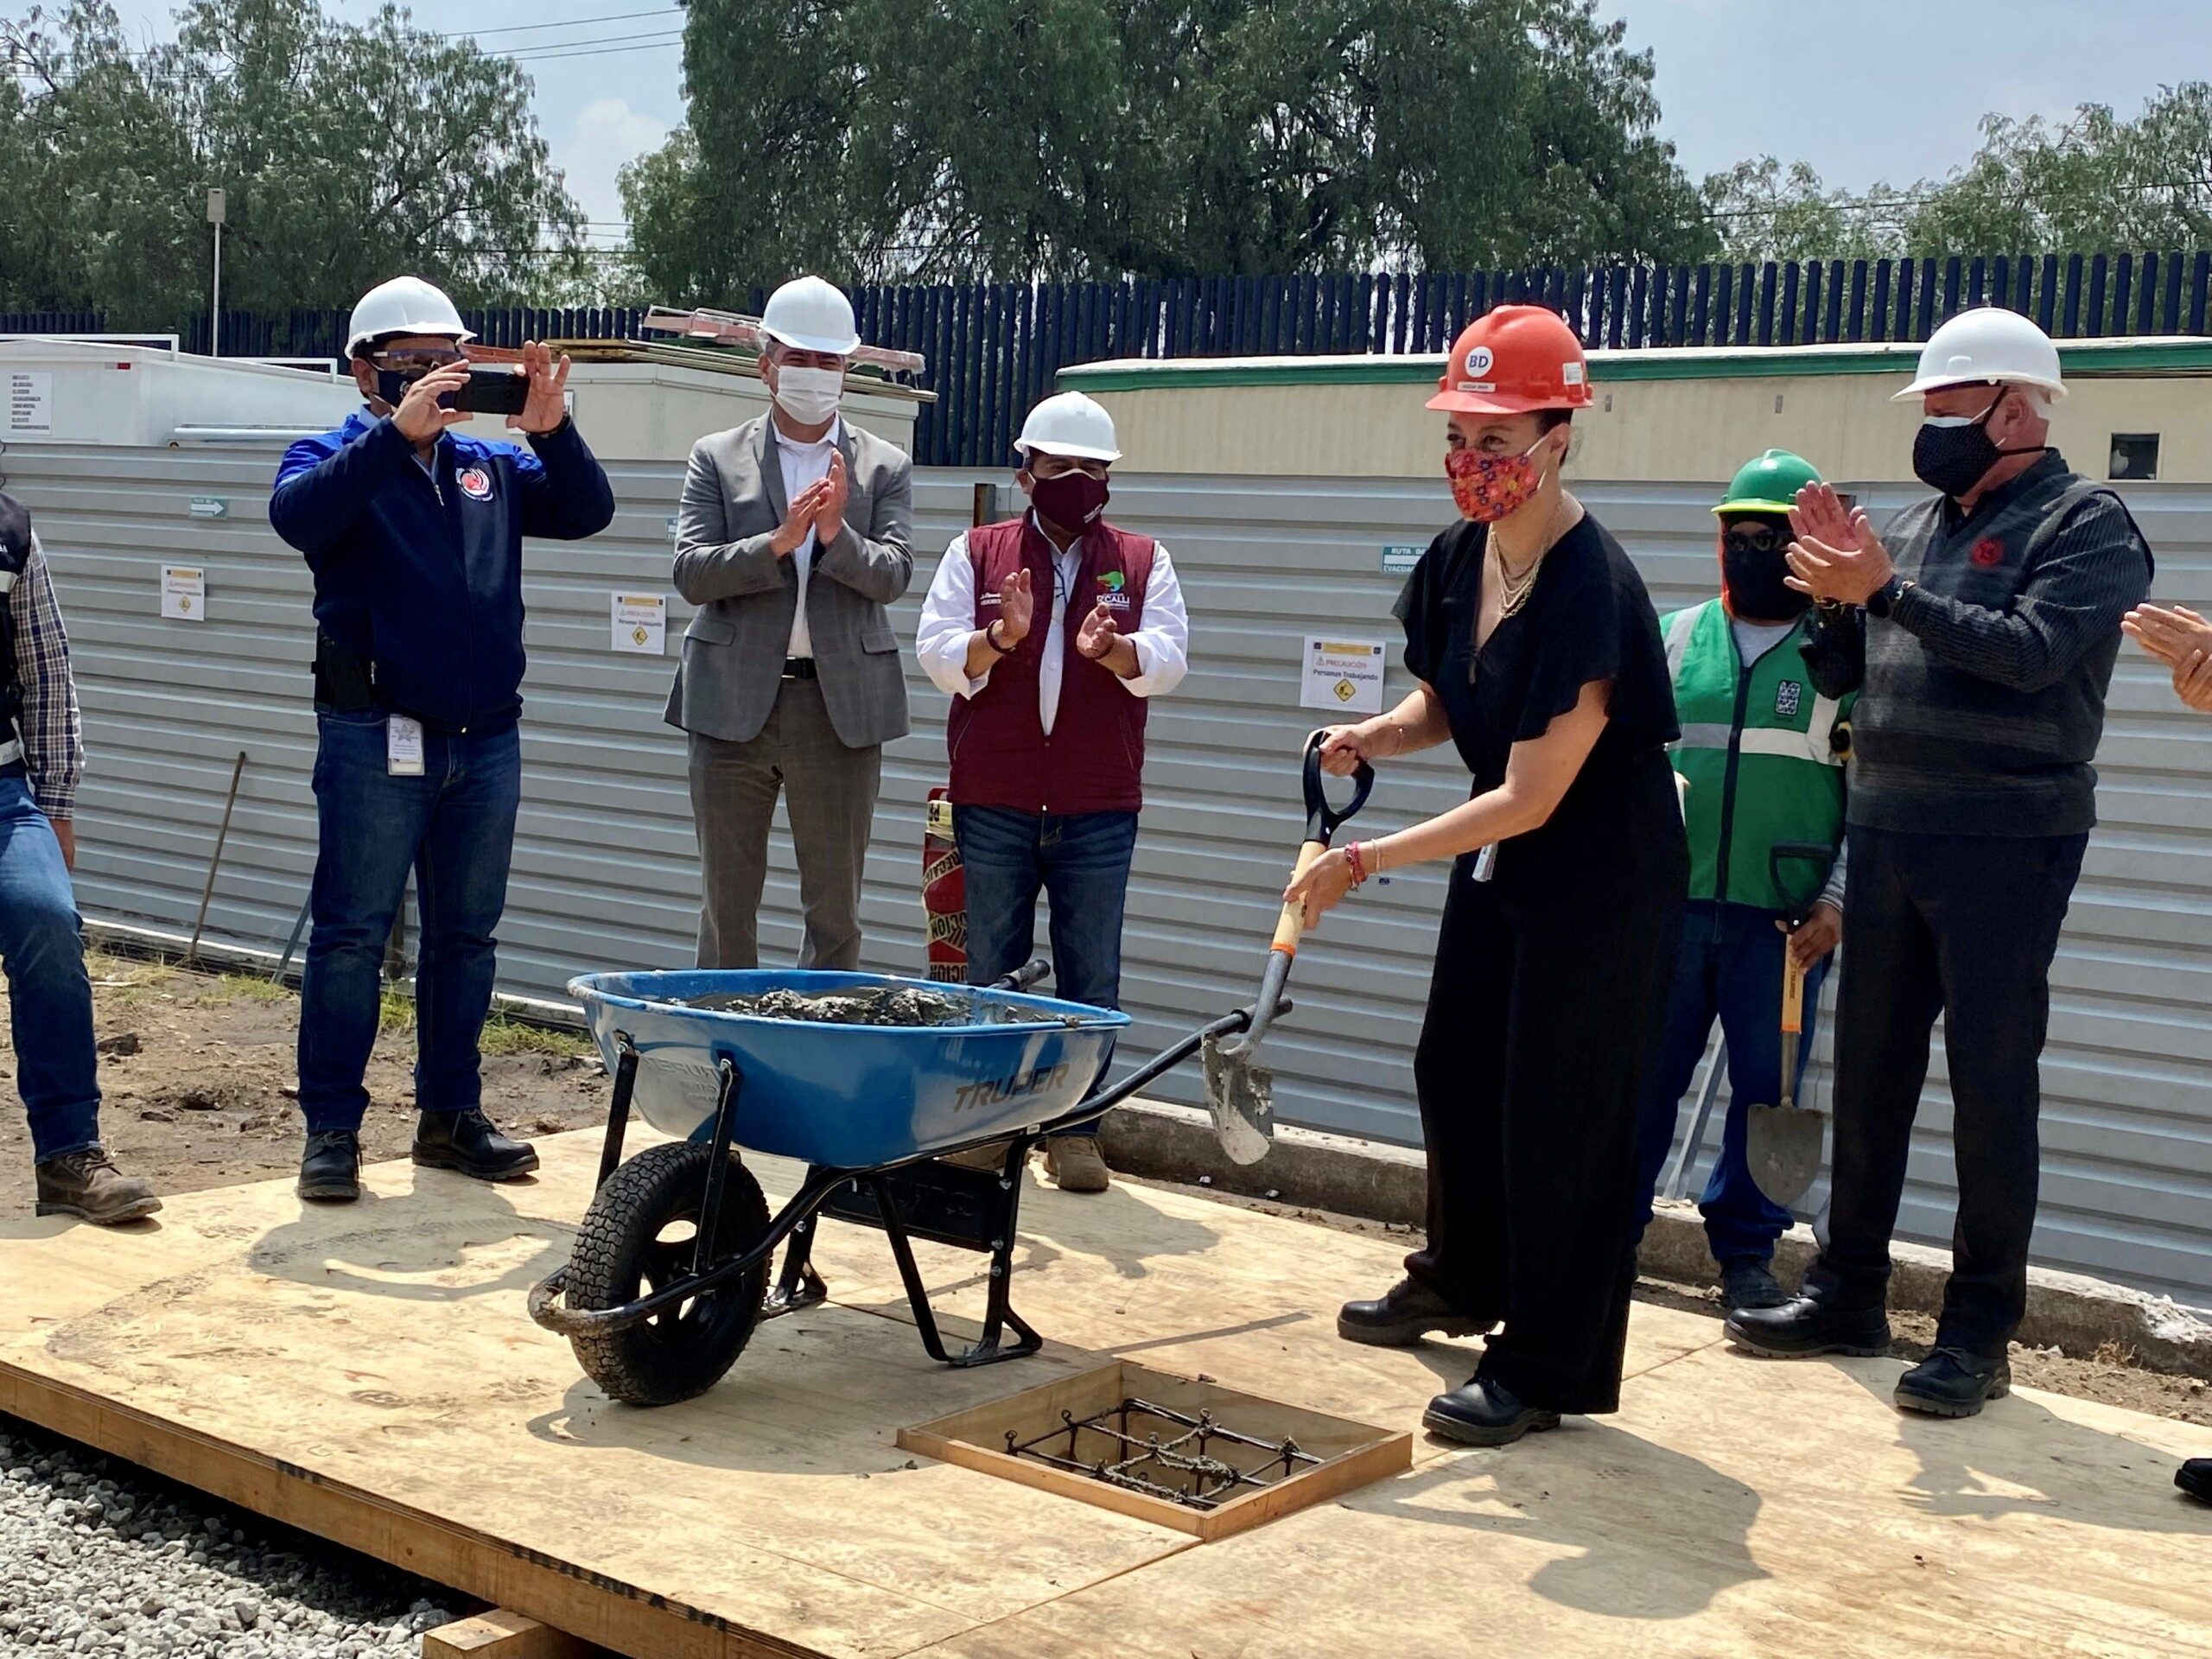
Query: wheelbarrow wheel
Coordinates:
[638,1237]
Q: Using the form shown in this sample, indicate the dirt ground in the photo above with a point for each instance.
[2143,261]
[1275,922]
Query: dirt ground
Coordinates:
[199,1081]
[201,1085]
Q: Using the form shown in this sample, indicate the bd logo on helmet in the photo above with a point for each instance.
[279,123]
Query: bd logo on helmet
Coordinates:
[1478,360]
[475,483]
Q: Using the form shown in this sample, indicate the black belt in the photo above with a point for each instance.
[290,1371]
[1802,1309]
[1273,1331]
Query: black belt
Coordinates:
[800,668]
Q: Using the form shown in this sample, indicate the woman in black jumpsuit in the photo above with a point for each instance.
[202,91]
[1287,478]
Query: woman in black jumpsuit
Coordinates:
[1539,658]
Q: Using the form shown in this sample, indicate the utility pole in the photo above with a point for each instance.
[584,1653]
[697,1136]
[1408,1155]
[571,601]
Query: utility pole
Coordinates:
[215,210]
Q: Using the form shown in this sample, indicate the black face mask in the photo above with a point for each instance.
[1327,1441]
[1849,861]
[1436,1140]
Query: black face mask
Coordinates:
[392,384]
[1754,559]
[1954,459]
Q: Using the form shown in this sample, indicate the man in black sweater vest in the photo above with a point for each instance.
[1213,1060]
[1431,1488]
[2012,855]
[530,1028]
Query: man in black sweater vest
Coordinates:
[1980,631]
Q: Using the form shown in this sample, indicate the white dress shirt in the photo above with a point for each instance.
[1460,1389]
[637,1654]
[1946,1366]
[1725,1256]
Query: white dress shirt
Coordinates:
[1162,644]
[804,464]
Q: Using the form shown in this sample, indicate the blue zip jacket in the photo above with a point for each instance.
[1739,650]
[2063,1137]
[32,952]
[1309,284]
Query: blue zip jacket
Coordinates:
[422,573]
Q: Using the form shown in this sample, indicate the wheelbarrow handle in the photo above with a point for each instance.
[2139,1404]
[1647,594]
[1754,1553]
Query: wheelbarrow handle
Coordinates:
[1024,976]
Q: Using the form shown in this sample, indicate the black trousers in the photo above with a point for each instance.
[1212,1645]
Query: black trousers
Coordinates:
[1544,1012]
[1965,926]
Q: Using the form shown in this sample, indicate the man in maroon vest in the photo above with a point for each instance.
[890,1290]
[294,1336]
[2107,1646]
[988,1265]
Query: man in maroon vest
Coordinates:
[1050,632]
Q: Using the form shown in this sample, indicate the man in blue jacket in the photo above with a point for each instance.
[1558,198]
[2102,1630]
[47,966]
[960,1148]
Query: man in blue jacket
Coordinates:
[414,533]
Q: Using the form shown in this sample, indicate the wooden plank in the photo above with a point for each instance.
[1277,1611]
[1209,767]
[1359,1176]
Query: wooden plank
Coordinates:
[501,1634]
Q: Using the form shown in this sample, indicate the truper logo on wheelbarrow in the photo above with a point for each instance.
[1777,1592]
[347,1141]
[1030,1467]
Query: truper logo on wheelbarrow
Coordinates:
[970,1095]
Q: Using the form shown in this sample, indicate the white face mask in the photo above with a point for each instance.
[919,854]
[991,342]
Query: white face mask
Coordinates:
[809,395]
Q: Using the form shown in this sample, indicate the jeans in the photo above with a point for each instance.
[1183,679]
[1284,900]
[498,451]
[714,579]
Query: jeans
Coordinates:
[455,826]
[1965,926]
[1729,966]
[49,997]
[1081,863]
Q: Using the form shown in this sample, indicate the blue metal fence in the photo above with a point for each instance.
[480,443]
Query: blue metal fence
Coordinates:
[993,348]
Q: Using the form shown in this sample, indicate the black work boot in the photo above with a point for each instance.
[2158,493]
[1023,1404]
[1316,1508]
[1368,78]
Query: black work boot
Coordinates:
[88,1186]
[2194,1477]
[1484,1412]
[1402,1315]
[330,1169]
[1805,1326]
[1747,1281]
[1954,1383]
[466,1141]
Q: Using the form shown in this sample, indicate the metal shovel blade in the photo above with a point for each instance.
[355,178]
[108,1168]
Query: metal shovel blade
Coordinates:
[1782,1144]
[1240,1096]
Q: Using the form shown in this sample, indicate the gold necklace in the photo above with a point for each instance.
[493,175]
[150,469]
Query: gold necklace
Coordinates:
[1514,591]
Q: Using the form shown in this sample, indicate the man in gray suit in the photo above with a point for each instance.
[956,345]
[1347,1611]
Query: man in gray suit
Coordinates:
[792,539]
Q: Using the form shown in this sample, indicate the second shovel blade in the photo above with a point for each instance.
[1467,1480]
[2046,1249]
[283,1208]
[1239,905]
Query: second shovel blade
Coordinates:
[1782,1144]
[1241,1097]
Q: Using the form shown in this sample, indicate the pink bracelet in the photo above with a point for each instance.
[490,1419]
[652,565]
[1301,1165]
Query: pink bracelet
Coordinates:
[1356,863]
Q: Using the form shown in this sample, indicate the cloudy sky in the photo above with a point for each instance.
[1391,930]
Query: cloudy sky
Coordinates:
[1862,89]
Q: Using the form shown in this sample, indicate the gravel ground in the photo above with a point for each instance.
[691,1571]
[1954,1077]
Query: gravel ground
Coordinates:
[100,1558]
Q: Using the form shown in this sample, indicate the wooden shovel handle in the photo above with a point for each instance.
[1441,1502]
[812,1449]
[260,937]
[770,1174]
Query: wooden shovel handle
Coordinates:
[1292,921]
[1793,993]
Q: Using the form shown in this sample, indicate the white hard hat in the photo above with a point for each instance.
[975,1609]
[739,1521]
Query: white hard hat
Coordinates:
[1987,344]
[405,305]
[811,315]
[1069,423]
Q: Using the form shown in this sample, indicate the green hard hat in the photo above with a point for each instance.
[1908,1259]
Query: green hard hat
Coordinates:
[1768,483]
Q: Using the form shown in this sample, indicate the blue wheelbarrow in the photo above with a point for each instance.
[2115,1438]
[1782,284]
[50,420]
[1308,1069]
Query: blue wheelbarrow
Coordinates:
[670,1275]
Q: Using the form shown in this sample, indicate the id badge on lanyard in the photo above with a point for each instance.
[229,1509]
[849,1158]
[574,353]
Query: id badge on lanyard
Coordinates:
[402,746]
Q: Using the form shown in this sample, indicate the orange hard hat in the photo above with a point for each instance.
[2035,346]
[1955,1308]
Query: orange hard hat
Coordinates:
[1512,359]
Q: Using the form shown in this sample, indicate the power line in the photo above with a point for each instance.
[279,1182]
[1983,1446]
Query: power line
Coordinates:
[574,23]
[590,49]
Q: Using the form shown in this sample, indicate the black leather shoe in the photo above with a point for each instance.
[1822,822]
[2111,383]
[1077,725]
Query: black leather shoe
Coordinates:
[1805,1326]
[1952,1383]
[466,1141]
[330,1169]
[2194,1477]
[1484,1412]
[1401,1316]
[1746,1282]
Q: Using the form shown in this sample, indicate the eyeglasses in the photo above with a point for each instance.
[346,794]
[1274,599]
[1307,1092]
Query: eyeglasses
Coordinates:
[425,358]
[1756,538]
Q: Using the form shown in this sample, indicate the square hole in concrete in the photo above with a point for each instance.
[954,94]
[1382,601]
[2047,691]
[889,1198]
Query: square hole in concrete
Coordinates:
[1192,1455]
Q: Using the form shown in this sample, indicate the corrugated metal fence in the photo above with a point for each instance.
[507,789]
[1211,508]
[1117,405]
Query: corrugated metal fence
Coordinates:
[994,347]
[605,871]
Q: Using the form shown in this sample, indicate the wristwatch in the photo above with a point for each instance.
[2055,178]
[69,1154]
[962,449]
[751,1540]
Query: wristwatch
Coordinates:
[1883,599]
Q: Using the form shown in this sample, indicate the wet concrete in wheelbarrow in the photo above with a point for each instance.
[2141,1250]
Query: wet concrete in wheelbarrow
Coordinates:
[908,1006]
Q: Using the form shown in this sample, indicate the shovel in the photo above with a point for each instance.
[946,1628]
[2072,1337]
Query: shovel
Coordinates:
[1782,1143]
[1239,1094]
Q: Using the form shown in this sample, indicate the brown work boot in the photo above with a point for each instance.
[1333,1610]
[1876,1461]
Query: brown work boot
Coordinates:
[1074,1164]
[88,1186]
[989,1157]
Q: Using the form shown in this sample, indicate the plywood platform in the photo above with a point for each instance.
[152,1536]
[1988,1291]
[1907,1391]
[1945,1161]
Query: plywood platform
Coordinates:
[369,1374]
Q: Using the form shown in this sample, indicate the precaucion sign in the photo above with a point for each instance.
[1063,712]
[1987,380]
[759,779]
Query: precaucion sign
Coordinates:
[640,623]
[184,592]
[1343,674]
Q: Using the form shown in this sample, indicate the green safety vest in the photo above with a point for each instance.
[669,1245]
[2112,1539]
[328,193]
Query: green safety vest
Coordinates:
[1757,752]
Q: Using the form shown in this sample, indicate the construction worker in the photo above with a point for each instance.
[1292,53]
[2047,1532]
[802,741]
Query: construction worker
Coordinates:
[792,539]
[1052,633]
[1981,631]
[49,996]
[1763,766]
[414,533]
[1536,655]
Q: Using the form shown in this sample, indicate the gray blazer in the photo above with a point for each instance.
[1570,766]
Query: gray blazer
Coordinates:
[732,660]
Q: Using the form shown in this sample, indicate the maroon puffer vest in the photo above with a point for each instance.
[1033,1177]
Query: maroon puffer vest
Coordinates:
[1094,760]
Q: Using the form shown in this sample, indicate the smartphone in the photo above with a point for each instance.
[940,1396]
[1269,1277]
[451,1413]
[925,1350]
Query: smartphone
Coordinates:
[494,390]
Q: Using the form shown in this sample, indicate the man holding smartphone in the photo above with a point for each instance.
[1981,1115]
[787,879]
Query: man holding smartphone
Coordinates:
[414,534]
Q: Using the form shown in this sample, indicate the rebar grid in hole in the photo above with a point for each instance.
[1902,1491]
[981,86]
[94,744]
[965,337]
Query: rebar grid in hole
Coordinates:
[1207,1481]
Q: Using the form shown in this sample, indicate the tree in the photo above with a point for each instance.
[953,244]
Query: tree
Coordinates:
[349,153]
[1018,139]
[2095,182]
